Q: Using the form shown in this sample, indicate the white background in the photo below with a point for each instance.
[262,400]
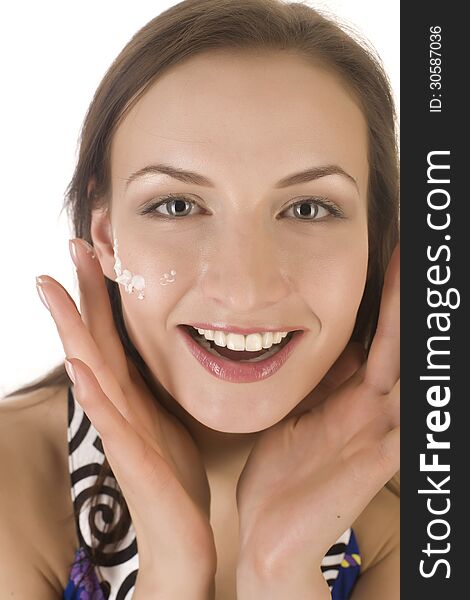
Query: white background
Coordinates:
[53,55]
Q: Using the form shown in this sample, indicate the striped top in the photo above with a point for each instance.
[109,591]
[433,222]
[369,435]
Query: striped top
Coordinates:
[115,577]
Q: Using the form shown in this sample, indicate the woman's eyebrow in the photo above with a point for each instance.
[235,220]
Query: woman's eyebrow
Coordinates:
[192,177]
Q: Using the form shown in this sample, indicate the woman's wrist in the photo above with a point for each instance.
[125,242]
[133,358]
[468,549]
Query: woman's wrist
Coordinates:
[257,583]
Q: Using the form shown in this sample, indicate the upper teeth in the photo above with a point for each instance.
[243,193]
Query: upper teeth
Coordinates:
[237,341]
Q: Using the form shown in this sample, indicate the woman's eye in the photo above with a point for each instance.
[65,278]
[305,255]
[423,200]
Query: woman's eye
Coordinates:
[171,207]
[314,209]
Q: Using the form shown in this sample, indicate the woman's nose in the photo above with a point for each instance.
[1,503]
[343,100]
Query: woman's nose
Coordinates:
[245,272]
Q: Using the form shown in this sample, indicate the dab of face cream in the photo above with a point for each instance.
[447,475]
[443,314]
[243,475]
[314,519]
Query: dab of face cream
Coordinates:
[167,277]
[130,281]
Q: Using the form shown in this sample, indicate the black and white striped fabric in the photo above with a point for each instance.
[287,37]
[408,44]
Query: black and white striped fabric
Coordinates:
[119,565]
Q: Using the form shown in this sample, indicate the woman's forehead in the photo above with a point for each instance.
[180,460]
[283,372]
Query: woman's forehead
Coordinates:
[260,114]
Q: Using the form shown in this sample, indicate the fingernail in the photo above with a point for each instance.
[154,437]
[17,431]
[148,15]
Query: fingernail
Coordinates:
[70,370]
[74,247]
[41,293]
[73,253]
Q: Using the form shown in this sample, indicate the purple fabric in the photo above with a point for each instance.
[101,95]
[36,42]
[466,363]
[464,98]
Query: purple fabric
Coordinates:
[83,583]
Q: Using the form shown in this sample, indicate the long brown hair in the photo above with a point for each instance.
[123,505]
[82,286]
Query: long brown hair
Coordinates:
[194,26]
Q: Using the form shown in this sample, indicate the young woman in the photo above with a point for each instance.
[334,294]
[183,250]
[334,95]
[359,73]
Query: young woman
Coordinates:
[227,425]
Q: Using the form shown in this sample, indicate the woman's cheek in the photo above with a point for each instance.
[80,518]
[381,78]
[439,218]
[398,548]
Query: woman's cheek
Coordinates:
[152,276]
[332,284]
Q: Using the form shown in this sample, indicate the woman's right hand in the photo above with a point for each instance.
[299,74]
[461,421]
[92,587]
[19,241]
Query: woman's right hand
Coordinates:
[153,457]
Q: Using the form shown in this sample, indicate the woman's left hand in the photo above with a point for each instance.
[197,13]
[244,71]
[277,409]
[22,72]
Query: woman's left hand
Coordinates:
[311,475]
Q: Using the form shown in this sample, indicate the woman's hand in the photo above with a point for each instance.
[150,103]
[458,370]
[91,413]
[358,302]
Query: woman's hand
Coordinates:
[153,457]
[311,475]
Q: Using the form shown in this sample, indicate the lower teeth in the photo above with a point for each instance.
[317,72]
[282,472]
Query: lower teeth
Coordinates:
[206,344]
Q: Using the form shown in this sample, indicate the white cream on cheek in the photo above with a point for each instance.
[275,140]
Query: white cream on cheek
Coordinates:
[136,282]
[130,281]
[167,277]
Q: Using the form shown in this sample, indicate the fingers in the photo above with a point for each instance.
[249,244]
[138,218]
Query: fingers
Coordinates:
[389,453]
[393,405]
[127,452]
[384,459]
[96,310]
[383,363]
[373,465]
[78,341]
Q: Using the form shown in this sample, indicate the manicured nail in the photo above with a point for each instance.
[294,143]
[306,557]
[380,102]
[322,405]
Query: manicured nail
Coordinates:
[41,293]
[70,370]
[74,247]
[73,253]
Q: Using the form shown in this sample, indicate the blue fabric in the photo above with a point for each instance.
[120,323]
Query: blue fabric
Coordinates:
[349,571]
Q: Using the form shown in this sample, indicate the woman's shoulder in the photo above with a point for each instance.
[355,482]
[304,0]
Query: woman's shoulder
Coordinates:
[41,402]
[33,432]
[377,528]
[35,482]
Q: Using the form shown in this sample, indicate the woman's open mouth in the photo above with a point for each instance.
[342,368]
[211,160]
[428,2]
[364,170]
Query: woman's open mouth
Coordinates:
[238,366]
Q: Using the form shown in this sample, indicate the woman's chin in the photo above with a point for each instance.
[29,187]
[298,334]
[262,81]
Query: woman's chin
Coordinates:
[243,426]
[235,415]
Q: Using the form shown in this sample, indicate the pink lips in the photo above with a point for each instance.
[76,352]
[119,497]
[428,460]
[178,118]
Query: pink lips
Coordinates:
[239,372]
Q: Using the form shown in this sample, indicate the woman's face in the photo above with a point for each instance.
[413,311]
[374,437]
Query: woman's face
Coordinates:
[241,255]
